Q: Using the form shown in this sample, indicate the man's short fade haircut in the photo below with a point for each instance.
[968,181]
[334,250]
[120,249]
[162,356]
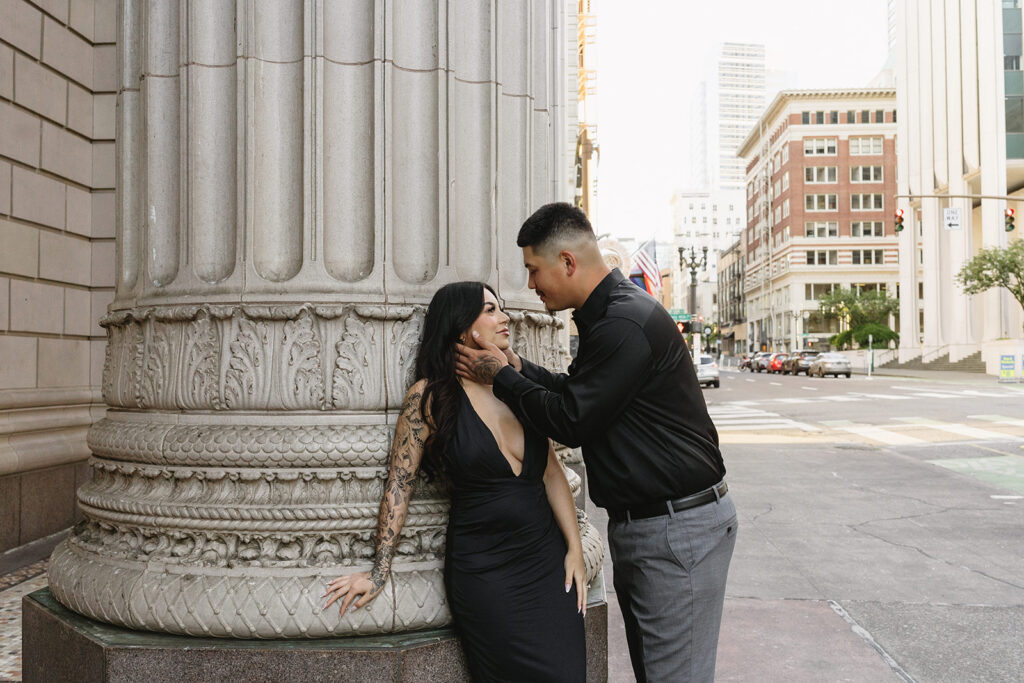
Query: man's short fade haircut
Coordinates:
[553,224]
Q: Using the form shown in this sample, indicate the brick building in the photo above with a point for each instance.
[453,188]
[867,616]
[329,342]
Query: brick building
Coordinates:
[820,194]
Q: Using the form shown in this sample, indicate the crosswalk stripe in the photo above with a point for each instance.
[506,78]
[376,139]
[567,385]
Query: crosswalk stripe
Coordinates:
[732,419]
[841,399]
[882,435]
[886,397]
[998,419]
[955,428]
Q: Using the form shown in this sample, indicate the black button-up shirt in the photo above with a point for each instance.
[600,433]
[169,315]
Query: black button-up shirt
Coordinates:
[631,399]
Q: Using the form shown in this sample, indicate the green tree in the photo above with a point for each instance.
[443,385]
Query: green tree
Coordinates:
[865,312]
[995,267]
[858,308]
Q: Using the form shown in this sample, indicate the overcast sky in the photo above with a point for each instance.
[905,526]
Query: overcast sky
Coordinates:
[652,55]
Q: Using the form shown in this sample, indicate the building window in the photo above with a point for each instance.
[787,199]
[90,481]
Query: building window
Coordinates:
[862,146]
[819,146]
[867,257]
[865,116]
[785,181]
[819,117]
[785,208]
[866,202]
[822,257]
[1011,63]
[814,291]
[851,116]
[867,229]
[879,116]
[821,202]
[821,229]
[833,117]
[820,174]
[865,174]
[785,154]
[805,118]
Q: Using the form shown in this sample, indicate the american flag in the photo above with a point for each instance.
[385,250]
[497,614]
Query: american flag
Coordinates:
[645,258]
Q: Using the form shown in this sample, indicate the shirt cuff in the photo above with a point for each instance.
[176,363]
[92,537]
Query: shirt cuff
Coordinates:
[506,381]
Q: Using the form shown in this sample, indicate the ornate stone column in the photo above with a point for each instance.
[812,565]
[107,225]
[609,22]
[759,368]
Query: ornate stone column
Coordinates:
[295,180]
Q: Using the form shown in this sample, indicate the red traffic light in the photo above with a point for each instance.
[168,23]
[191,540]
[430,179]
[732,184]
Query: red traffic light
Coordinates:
[899,219]
[1010,213]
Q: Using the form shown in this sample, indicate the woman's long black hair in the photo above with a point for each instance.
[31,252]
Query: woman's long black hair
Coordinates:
[452,311]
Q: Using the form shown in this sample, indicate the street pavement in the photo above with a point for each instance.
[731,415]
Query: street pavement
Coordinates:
[881,530]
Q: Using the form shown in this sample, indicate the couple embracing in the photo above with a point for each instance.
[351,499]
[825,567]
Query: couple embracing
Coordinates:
[480,419]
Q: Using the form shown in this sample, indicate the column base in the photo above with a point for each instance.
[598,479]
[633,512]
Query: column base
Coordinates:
[59,644]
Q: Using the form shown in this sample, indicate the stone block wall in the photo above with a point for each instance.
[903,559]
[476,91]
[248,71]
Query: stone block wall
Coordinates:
[58,82]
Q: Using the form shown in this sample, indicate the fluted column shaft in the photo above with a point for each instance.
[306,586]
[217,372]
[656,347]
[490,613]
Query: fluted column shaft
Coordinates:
[296,178]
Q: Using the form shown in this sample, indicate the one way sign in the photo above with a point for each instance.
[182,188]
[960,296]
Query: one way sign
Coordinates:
[952,219]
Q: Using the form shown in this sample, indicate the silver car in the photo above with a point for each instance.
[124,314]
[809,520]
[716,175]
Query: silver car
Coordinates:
[829,364]
[707,371]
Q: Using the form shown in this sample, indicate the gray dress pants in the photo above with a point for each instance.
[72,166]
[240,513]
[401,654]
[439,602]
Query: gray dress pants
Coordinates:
[670,574]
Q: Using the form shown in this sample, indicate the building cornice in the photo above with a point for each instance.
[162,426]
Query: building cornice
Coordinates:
[787,96]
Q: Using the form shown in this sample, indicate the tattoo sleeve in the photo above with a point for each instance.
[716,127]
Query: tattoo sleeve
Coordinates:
[485,368]
[406,453]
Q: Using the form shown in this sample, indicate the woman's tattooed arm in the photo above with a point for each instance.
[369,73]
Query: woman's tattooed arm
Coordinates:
[406,452]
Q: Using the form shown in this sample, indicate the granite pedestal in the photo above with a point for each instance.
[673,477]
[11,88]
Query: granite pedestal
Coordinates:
[60,645]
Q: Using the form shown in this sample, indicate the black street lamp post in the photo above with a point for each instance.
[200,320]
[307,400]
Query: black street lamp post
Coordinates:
[693,263]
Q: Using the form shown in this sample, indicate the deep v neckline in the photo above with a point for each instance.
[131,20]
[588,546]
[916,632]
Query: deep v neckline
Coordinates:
[494,440]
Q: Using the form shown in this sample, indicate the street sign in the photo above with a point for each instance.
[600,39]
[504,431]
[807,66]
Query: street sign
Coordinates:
[952,219]
[679,315]
[1007,368]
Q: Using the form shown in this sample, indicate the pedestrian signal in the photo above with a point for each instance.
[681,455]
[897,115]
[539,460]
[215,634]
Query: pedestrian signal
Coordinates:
[684,327]
[899,219]
[1009,219]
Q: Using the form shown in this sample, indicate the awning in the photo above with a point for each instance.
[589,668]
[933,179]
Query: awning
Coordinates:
[730,335]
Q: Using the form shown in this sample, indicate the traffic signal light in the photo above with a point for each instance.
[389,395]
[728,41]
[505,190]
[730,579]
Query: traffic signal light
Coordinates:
[1009,219]
[684,327]
[899,219]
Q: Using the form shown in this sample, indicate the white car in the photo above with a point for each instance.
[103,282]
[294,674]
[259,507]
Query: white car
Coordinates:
[707,371]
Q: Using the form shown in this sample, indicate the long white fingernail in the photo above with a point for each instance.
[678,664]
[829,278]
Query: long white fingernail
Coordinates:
[567,587]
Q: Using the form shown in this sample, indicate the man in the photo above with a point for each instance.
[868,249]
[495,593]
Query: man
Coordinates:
[632,401]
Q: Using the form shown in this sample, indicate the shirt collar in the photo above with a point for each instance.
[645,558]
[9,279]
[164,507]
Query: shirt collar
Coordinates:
[597,303]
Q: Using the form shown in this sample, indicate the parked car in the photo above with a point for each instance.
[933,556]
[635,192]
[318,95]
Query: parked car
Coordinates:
[775,364]
[798,362]
[829,364]
[760,362]
[707,371]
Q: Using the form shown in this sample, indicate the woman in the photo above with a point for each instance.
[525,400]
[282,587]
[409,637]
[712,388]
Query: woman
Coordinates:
[505,559]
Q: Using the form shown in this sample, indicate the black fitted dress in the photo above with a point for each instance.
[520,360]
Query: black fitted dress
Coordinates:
[504,563]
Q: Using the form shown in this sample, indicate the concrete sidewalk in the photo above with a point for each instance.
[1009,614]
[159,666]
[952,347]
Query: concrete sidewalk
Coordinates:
[863,564]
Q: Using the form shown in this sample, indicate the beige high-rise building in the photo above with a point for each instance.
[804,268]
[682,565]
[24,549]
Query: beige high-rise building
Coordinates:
[960,140]
[58,85]
[587,149]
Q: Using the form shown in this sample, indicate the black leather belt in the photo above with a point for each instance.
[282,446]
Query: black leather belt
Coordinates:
[678,505]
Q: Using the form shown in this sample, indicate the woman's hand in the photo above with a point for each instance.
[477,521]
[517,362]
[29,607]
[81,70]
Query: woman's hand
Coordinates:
[348,588]
[576,571]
